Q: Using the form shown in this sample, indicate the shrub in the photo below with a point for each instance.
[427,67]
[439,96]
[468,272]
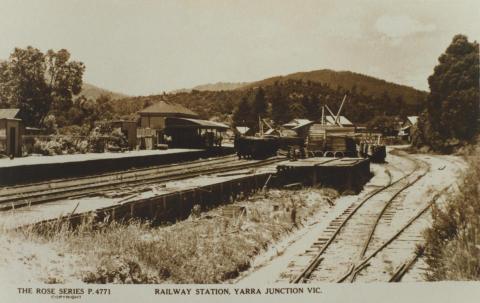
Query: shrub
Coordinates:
[116,140]
[47,148]
[96,141]
[453,242]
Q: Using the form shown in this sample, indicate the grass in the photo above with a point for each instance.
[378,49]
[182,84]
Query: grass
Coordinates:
[209,247]
[452,247]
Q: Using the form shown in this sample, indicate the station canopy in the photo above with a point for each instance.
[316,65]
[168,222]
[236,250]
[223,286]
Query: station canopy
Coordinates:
[194,123]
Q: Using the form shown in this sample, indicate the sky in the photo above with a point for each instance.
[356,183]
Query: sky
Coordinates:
[145,47]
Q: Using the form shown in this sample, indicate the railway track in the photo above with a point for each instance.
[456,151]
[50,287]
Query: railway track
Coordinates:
[401,235]
[20,196]
[391,257]
[359,221]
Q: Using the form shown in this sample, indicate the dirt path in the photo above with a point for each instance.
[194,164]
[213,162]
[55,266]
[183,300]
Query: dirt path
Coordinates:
[294,254]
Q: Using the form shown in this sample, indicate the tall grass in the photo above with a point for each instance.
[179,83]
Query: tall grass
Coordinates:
[209,249]
[453,242]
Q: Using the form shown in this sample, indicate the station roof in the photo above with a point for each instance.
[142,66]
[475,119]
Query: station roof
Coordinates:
[194,123]
[165,108]
[8,113]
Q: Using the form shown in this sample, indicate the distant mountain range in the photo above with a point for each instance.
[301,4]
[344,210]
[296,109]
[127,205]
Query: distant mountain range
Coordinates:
[91,91]
[221,86]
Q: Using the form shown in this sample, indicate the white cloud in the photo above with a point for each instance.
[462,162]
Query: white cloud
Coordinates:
[398,27]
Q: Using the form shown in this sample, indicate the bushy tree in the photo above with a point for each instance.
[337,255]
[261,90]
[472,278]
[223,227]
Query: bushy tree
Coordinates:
[40,84]
[23,85]
[452,112]
[64,79]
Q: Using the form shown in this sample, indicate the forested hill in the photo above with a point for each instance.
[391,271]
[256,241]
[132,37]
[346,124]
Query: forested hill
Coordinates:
[350,81]
[345,79]
[292,98]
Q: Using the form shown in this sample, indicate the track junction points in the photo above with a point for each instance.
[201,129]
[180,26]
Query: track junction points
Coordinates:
[369,237]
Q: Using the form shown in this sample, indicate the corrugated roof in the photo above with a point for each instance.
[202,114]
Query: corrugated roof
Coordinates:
[271,131]
[298,123]
[168,108]
[342,119]
[8,113]
[205,123]
[413,119]
[242,129]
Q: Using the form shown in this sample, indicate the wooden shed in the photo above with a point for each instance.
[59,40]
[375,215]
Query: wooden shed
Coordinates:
[10,132]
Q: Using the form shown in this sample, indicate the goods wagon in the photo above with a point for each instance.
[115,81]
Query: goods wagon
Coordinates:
[266,146]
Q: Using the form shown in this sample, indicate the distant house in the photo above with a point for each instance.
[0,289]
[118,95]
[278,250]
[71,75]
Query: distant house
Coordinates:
[11,130]
[405,130]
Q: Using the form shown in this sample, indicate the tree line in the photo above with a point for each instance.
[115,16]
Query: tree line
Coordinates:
[290,99]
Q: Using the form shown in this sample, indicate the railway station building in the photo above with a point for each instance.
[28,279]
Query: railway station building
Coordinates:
[177,126]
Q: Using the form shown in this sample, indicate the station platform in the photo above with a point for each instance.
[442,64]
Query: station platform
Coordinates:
[43,168]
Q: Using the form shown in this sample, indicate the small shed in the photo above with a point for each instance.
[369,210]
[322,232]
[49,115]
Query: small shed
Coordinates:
[10,132]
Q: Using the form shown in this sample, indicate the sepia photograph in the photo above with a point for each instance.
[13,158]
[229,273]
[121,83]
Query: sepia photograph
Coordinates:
[211,150]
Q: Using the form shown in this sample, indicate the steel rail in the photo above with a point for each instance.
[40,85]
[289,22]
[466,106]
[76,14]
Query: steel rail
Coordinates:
[359,267]
[314,263]
[47,185]
[93,188]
